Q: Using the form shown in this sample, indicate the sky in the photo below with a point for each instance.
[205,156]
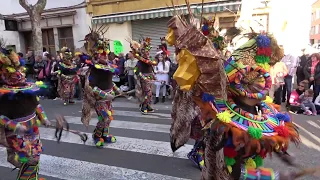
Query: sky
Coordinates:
[12,6]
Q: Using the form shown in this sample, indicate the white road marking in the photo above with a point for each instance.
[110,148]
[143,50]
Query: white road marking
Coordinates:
[162,128]
[309,144]
[124,143]
[70,169]
[312,123]
[138,114]
[307,132]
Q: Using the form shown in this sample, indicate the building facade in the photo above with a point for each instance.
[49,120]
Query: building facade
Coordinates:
[137,18]
[315,23]
[61,26]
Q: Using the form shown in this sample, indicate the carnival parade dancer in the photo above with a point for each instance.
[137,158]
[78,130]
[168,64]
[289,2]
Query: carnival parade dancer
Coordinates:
[99,90]
[68,78]
[144,74]
[240,123]
[20,116]
[186,113]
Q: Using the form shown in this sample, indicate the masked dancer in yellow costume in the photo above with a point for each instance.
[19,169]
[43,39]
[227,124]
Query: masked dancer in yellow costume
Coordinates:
[240,126]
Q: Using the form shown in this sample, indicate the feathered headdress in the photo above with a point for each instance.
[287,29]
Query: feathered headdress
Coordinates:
[12,68]
[141,50]
[95,43]
[66,53]
[12,72]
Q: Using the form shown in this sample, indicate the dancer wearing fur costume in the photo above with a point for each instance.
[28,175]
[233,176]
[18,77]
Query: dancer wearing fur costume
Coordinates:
[20,116]
[186,112]
[144,74]
[68,78]
[240,125]
[99,89]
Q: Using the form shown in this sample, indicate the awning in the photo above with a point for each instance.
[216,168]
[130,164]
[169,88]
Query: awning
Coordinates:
[213,7]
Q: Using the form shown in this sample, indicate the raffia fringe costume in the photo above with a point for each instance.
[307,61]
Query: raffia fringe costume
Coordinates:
[236,140]
[144,80]
[94,96]
[20,116]
[68,77]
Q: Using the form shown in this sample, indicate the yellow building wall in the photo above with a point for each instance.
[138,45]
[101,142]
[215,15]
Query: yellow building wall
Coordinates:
[103,7]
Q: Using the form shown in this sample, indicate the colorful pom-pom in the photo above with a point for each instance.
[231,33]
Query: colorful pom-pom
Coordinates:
[224,116]
[265,66]
[283,117]
[229,161]
[268,100]
[263,153]
[263,41]
[38,122]
[23,160]
[11,69]
[250,163]
[259,161]
[229,152]
[282,131]
[229,169]
[262,59]
[255,132]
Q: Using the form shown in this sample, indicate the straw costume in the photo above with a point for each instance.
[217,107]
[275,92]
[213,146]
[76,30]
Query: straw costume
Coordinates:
[144,74]
[68,77]
[99,89]
[21,114]
[186,114]
[239,126]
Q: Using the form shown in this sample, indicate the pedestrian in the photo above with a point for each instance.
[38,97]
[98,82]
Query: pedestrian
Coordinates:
[306,99]
[161,70]
[312,73]
[129,65]
[301,64]
[278,72]
[294,97]
[291,62]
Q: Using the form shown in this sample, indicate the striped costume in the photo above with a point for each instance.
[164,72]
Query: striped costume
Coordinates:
[20,117]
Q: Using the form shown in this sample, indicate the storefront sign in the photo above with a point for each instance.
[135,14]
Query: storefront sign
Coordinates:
[118,47]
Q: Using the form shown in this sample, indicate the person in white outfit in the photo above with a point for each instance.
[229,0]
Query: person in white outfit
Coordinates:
[161,71]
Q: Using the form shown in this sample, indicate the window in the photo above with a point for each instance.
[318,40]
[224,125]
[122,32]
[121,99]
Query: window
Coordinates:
[48,40]
[66,38]
[11,25]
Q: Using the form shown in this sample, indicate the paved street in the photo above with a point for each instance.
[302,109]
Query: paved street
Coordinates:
[142,150]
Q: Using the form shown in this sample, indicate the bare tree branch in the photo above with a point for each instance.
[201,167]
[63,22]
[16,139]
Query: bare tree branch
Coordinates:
[35,12]
[41,4]
[24,3]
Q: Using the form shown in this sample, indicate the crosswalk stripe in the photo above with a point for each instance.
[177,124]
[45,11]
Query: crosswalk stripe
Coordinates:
[70,169]
[138,114]
[162,128]
[124,143]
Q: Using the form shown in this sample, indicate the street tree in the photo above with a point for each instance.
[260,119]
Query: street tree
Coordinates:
[35,12]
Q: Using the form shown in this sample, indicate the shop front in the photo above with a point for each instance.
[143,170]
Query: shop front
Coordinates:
[153,23]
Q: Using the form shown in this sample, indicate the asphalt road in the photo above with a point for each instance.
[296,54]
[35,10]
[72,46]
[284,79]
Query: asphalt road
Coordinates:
[143,148]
